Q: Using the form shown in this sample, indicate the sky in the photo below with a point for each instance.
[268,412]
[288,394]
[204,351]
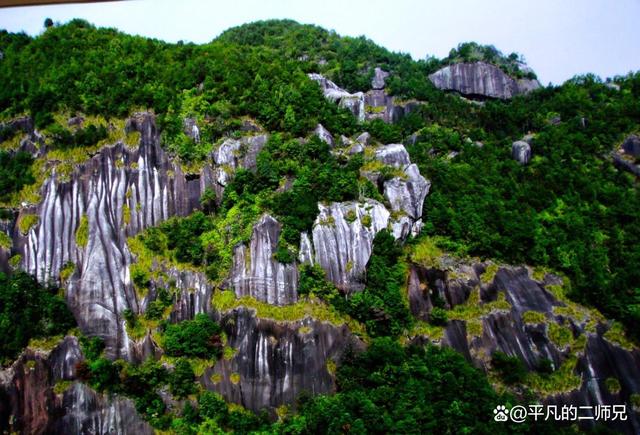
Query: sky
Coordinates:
[558,38]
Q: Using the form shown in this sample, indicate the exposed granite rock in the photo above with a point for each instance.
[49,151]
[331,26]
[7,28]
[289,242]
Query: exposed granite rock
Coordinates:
[631,145]
[521,152]
[342,239]
[256,273]
[364,138]
[625,164]
[30,405]
[480,79]
[93,204]
[405,193]
[236,153]
[374,104]
[277,361]
[331,91]
[191,129]
[379,76]
[324,135]
[511,328]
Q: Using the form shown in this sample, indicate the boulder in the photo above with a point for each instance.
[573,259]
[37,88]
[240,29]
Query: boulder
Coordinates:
[257,274]
[521,152]
[631,146]
[480,79]
[324,134]
[379,77]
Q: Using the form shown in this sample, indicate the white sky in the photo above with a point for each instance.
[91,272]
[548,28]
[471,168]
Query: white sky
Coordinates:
[559,38]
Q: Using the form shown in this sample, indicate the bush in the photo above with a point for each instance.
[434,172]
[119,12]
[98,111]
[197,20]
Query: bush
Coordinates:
[510,368]
[181,381]
[29,310]
[194,338]
[438,316]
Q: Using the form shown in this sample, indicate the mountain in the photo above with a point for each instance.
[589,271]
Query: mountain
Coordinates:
[285,230]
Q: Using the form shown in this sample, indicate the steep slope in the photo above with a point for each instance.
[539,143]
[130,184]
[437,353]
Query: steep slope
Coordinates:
[274,222]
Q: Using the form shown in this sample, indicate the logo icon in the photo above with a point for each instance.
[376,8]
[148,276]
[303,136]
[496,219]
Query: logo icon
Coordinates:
[500,413]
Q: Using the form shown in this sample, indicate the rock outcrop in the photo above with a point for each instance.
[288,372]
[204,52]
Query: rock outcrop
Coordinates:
[86,220]
[504,308]
[233,154]
[32,402]
[331,91]
[343,236]
[374,104]
[521,152]
[277,361]
[257,274]
[480,79]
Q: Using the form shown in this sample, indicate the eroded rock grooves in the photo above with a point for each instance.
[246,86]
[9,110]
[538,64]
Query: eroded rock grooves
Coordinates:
[481,79]
[510,329]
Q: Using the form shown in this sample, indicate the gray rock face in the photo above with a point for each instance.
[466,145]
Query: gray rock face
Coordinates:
[364,138]
[379,76]
[236,153]
[191,129]
[374,104]
[393,155]
[505,328]
[342,239]
[324,135]
[521,152]
[331,91]
[93,203]
[631,145]
[406,195]
[480,79]
[277,361]
[29,404]
[256,273]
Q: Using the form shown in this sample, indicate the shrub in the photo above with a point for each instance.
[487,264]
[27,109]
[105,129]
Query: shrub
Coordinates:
[194,338]
[438,316]
[510,368]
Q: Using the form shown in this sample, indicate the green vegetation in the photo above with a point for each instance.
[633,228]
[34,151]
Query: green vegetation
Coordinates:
[194,338]
[29,310]
[569,209]
[15,172]
[26,222]
[510,368]
[82,233]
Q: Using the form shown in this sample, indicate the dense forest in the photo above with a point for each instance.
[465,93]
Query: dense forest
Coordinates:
[570,210]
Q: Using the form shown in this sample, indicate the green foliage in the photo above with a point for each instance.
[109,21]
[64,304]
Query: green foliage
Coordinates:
[91,347]
[84,137]
[438,316]
[568,209]
[394,389]
[29,310]
[15,172]
[26,222]
[82,233]
[381,306]
[181,381]
[208,201]
[510,368]
[199,337]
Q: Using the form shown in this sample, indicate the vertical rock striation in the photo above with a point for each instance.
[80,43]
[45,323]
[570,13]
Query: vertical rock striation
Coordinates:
[257,274]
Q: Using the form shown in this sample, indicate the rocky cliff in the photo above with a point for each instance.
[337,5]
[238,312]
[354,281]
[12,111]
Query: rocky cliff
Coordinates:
[525,313]
[480,79]
[41,394]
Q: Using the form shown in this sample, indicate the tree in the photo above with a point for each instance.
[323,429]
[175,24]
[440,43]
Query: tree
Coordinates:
[48,23]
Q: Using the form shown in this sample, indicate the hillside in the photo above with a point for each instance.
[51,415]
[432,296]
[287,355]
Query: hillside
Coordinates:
[291,231]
